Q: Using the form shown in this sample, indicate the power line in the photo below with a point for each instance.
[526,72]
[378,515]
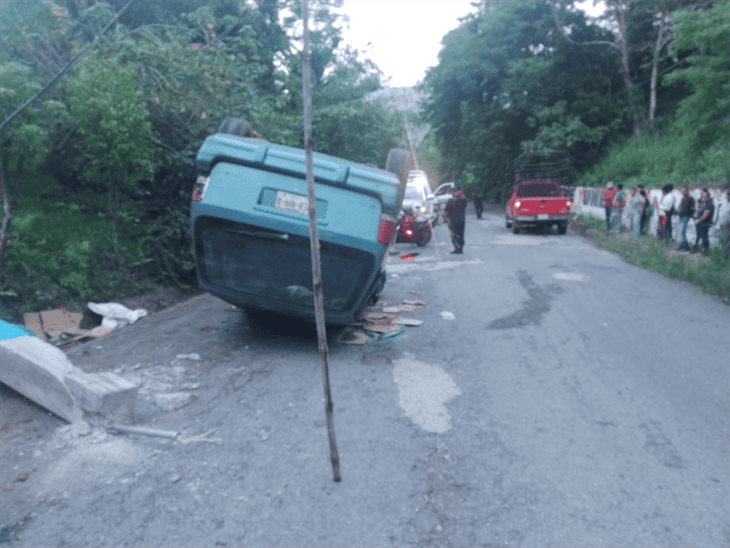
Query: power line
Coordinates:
[65,68]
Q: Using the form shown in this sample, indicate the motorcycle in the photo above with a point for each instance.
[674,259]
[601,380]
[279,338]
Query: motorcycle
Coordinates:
[413,228]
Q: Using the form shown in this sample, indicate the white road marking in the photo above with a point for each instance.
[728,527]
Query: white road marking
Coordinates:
[572,276]
[428,265]
[423,392]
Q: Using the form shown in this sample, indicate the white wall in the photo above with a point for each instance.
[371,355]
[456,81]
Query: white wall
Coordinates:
[589,201]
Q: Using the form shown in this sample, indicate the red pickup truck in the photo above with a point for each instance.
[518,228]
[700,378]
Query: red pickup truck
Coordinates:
[537,203]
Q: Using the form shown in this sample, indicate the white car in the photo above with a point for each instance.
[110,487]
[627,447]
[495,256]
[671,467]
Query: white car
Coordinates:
[416,200]
[441,196]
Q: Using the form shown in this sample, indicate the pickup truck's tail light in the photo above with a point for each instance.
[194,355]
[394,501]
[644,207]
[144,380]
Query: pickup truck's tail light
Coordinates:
[386,229]
[518,204]
[568,203]
[201,183]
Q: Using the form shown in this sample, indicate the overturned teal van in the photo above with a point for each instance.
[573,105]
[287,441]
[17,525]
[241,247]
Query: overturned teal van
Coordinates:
[250,226]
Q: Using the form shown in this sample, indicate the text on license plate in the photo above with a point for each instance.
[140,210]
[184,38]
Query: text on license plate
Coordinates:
[543,217]
[292,202]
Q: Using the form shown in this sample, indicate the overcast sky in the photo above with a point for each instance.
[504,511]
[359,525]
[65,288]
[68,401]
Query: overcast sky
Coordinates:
[403,37]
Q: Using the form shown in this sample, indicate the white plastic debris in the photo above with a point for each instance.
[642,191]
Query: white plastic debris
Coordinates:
[446,315]
[115,314]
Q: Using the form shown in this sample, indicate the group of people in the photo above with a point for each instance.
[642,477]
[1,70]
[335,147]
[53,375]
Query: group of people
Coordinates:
[640,209]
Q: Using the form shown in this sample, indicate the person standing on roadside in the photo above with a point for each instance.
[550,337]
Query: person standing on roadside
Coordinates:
[619,201]
[665,209]
[455,211]
[644,212]
[723,224]
[703,222]
[637,203]
[478,202]
[686,212]
[608,195]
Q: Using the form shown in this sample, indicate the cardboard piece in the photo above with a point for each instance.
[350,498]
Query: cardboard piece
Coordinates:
[57,322]
[32,321]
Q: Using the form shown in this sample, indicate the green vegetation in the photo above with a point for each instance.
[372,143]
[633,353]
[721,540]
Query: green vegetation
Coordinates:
[640,93]
[96,176]
[710,273]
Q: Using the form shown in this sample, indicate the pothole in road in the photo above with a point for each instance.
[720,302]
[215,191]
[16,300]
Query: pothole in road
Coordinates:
[423,392]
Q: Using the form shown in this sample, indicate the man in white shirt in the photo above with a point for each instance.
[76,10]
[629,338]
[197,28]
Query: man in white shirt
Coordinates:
[665,208]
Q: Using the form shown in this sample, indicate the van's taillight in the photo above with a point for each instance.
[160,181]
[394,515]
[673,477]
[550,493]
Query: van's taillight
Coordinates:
[201,184]
[568,203]
[386,229]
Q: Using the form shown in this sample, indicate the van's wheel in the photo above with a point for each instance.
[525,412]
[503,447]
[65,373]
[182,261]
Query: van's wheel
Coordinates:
[515,227]
[236,126]
[562,227]
[399,162]
[507,222]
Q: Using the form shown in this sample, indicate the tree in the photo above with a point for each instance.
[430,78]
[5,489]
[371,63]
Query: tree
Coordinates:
[114,124]
[20,146]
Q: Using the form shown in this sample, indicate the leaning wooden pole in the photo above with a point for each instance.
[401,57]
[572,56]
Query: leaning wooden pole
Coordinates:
[314,248]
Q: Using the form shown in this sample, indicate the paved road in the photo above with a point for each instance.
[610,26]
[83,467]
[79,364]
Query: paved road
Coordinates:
[574,400]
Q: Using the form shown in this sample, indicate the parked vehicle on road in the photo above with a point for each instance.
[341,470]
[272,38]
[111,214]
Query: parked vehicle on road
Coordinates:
[537,198]
[441,196]
[250,225]
[415,198]
[413,227]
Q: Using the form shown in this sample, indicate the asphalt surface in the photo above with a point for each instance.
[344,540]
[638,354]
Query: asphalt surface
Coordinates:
[571,400]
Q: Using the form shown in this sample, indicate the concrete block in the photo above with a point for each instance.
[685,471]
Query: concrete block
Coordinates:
[43,374]
[104,393]
[38,370]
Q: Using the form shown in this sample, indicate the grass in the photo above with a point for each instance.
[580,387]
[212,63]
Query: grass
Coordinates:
[711,273]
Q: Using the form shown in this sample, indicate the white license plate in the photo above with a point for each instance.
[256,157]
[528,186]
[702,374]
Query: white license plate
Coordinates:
[543,217]
[292,202]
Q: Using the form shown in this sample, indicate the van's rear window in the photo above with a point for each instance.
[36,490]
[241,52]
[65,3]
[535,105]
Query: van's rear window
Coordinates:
[277,266]
[538,189]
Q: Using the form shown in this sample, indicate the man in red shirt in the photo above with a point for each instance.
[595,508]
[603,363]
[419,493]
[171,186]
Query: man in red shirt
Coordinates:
[608,195]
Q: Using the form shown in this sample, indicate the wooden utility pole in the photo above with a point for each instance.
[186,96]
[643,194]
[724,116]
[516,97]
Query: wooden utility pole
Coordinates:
[314,247]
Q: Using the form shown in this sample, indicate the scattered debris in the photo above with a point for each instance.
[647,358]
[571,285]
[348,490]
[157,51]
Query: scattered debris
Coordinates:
[408,256]
[8,486]
[414,302]
[23,476]
[411,322]
[142,431]
[446,315]
[391,309]
[115,314]
[157,433]
[173,400]
[59,324]
[193,357]
[353,336]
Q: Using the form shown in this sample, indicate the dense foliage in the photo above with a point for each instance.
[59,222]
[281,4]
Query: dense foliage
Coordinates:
[639,93]
[97,174]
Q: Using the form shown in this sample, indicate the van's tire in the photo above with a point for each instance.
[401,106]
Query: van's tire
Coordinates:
[236,126]
[399,162]
[562,227]
[515,227]
[507,222]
